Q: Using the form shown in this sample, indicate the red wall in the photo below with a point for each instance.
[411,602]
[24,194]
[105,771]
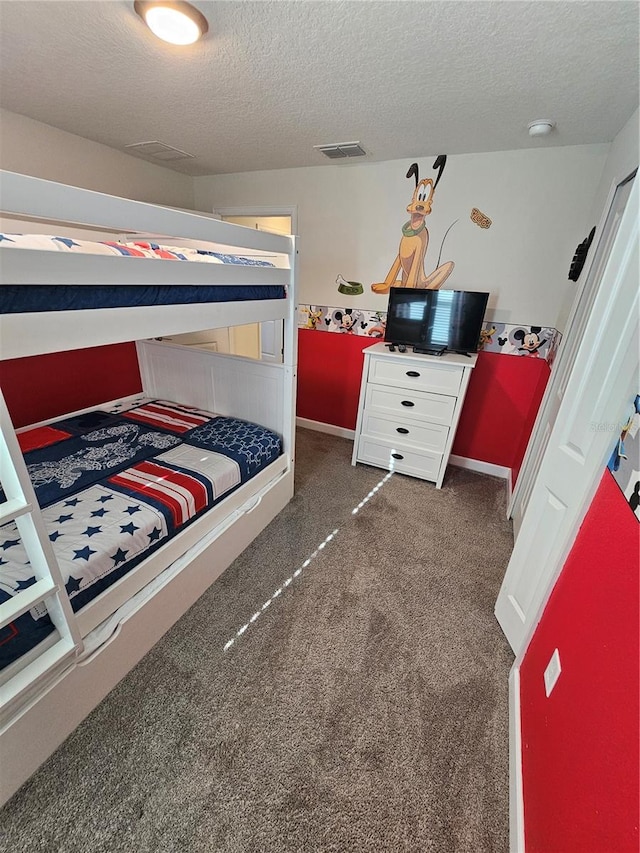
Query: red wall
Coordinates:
[500,408]
[580,746]
[499,411]
[45,386]
[329,373]
[498,415]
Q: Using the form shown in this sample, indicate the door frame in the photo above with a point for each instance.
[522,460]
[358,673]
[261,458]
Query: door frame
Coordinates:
[578,317]
[612,297]
[290,210]
[262,210]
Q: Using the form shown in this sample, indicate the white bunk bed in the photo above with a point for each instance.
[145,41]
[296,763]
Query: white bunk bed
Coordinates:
[47,692]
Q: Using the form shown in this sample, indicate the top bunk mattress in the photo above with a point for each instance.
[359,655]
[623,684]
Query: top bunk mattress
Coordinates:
[38,298]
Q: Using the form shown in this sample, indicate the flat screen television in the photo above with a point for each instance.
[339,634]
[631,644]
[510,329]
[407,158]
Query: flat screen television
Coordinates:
[435,321]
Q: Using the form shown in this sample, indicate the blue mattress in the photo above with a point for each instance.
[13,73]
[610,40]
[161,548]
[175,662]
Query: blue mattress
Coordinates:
[115,488]
[35,298]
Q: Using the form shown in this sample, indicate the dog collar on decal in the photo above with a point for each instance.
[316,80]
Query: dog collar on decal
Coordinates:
[408,231]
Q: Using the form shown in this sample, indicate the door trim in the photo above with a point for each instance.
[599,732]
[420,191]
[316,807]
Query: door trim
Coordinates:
[527,475]
[618,295]
[262,210]
[516,785]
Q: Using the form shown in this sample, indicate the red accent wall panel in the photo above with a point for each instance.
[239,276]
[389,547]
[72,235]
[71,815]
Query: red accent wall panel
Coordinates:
[499,411]
[500,408]
[329,373]
[45,386]
[580,746]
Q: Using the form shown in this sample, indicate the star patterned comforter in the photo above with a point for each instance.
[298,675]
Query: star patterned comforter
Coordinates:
[15,299]
[114,488]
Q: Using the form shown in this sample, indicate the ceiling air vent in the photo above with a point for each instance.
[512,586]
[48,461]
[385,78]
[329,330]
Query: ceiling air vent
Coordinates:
[158,151]
[341,150]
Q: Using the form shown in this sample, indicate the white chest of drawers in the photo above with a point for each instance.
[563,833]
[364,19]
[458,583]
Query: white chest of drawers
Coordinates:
[409,410]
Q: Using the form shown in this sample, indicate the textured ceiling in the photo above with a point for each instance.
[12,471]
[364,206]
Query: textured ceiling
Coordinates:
[273,79]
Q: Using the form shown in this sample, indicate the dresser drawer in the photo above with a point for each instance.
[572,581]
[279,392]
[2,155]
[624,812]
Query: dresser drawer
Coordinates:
[405,430]
[410,373]
[435,408]
[398,457]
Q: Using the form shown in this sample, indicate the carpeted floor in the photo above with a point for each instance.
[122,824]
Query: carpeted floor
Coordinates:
[365,710]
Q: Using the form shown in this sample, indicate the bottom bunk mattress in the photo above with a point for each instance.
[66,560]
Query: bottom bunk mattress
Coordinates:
[116,487]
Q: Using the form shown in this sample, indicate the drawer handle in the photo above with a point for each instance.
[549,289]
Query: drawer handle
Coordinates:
[408,403]
[403,430]
[412,373]
[397,455]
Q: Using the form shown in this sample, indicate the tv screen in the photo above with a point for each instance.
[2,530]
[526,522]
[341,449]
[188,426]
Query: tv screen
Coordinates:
[435,320]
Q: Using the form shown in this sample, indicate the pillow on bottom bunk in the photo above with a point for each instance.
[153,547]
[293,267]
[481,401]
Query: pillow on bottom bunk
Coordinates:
[109,509]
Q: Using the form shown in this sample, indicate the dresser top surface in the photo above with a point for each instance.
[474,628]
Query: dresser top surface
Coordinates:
[449,358]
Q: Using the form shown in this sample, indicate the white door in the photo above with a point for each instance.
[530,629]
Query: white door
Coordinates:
[271,340]
[599,391]
[583,304]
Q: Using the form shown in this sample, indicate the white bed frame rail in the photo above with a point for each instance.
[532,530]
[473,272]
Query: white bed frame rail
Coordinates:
[34,334]
[36,198]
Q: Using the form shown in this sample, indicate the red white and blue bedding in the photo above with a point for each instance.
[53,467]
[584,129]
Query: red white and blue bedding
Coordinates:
[18,299]
[114,488]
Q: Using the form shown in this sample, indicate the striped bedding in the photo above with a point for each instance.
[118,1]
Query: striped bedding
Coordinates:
[114,488]
[135,249]
[19,299]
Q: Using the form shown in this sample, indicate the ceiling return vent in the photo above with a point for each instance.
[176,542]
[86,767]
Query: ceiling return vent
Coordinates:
[158,151]
[340,150]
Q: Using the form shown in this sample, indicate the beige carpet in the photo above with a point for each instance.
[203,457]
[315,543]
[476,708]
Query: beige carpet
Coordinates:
[364,710]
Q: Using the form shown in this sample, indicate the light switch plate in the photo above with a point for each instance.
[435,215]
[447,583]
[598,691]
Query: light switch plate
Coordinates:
[552,672]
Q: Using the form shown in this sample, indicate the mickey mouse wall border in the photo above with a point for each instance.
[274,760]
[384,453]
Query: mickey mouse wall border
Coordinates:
[528,341]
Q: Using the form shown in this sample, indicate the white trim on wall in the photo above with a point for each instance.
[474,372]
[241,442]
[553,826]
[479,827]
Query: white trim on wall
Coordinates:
[481,467]
[331,429]
[516,794]
[262,210]
[477,465]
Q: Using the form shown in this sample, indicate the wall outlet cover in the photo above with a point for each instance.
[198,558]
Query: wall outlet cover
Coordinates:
[552,672]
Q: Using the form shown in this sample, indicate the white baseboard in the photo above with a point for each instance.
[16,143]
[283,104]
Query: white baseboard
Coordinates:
[481,467]
[516,796]
[318,426]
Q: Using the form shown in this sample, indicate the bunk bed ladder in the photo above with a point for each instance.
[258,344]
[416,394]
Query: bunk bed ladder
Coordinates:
[20,506]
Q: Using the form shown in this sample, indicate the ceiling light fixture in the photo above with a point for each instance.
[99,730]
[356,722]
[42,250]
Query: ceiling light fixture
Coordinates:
[176,22]
[541,127]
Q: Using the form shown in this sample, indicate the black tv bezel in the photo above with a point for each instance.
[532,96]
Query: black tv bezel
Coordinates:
[424,347]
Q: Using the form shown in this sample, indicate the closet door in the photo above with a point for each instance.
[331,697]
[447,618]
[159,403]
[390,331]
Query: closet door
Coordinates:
[565,360]
[599,391]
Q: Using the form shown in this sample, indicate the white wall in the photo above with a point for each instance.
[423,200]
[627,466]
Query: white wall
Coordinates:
[350,218]
[34,148]
[622,159]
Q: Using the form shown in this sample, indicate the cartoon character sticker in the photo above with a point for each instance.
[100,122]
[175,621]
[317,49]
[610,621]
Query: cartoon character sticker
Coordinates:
[529,342]
[409,262]
[347,320]
[479,218]
[379,319]
[486,336]
[349,288]
[314,316]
